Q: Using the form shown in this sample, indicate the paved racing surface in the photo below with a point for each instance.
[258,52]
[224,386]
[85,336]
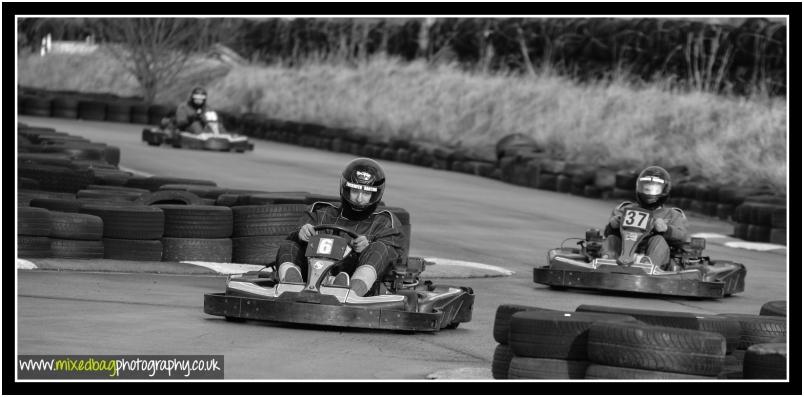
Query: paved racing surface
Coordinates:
[454,216]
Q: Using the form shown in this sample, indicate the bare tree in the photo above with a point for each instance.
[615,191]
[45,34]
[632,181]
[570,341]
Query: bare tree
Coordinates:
[155,50]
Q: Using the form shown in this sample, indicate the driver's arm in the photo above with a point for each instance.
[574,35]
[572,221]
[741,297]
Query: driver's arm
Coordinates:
[677,227]
[184,116]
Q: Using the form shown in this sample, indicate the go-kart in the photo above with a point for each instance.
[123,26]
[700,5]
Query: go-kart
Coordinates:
[400,301]
[213,137]
[689,273]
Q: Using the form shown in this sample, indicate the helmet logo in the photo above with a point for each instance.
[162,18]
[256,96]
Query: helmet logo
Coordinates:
[363,177]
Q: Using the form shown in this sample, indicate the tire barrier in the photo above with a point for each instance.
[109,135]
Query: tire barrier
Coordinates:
[153,183]
[32,221]
[134,222]
[197,221]
[132,250]
[118,112]
[757,329]
[33,246]
[35,106]
[774,308]
[502,325]
[92,110]
[256,250]
[169,197]
[266,220]
[75,226]
[65,107]
[196,249]
[76,249]
[765,361]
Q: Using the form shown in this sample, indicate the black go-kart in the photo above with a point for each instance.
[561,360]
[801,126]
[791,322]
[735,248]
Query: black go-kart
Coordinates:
[689,274]
[401,301]
[214,137]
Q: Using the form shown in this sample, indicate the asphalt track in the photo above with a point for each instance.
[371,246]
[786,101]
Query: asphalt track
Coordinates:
[454,216]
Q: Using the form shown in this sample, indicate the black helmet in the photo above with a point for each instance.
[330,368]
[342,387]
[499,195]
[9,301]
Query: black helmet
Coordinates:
[362,175]
[653,187]
[198,93]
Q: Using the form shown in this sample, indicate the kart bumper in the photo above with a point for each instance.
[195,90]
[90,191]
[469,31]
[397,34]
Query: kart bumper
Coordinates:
[647,284]
[318,309]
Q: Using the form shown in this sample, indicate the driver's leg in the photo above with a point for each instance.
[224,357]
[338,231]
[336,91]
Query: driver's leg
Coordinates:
[371,266]
[292,262]
[195,128]
[658,251]
[611,247]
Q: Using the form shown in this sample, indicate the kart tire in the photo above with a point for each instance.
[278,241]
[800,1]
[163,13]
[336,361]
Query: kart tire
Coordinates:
[256,250]
[76,249]
[132,250]
[108,194]
[196,221]
[135,222]
[563,184]
[266,220]
[545,368]
[765,361]
[196,249]
[600,371]
[654,348]
[778,236]
[75,226]
[64,107]
[774,308]
[729,328]
[33,247]
[53,204]
[32,221]
[92,110]
[170,197]
[501,361]
[154,182]
[555,334]
[502,320]
[757,329]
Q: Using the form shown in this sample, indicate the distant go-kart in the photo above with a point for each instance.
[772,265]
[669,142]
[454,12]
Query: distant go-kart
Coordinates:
[690,274]
[402,301]
[212,138]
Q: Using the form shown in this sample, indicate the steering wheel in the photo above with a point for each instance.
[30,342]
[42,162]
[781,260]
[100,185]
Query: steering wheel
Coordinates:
[338,228]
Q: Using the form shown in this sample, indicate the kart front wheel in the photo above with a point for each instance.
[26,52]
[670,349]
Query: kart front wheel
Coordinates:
[453,325]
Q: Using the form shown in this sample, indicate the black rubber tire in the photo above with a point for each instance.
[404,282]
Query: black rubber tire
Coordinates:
[622,194]
[563,184]
[135,222]
[139,114]
[774,308]
[625,179]
[76,249]
[592,191]
[28,183]
[779,218]
[728,327]
[765,361]
[501,361]
[32,221]
[759,329]
[600,371]
[55,178]
[197,221]
[154,182]
[547,181]
[24,196]
[502,319]
[64,107]
[656,348]
[74,226]
[554,334]
[108,194]
[92,110]
[725,211]
[267,220]
[203,191]
[759,233]
[276,198]
[732,367]
[257,250]
[35,106]
[118,188]
[545,368]
[33,247]
[170,197]
[119,112]
[157,112]
[133,250]
[197,249]
[53,204]
[778,236]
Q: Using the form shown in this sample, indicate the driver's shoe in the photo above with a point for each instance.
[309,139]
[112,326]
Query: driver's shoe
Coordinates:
[292,275]
[341,280]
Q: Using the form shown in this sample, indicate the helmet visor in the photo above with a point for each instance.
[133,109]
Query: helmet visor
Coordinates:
[650,186]
[362,195]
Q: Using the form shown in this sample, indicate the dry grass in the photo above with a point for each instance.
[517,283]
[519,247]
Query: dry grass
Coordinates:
[726,139]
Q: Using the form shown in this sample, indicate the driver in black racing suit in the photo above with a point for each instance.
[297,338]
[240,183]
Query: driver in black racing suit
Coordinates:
[670,227]
[190,114]
[378,245]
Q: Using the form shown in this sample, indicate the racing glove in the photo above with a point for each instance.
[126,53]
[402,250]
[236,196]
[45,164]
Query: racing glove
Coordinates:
[306,232]
[360,243]
[660,225]
[615,220]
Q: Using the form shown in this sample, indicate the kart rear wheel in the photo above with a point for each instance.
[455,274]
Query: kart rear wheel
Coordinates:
[453,325]
[234,319]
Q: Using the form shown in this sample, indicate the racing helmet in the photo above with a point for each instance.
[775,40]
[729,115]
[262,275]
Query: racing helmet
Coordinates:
[366,176]
[653,187]
[198,94]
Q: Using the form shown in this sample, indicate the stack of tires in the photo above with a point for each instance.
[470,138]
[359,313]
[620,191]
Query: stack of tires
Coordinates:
[33,231]
[502,325]
[130,232]
[553,344]
[258,230]
[762,218]
[76,236]
[196,233]
[761,351]
[665,352]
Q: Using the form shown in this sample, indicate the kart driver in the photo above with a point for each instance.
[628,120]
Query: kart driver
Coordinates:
[190,114]
[378,245]
[670,226]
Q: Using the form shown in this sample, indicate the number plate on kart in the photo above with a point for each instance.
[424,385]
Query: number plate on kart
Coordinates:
[636,219]
[324,246]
